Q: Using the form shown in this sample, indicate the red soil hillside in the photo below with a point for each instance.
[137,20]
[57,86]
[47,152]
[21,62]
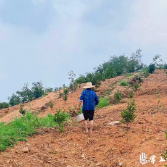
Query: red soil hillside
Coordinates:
[110,146]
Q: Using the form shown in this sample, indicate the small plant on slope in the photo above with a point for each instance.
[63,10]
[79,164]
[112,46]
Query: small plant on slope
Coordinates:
[60,118]
[128,115]
[103,103]
[118,97]
[22,111]
[136,86]
[124,83]
[131,94]
[65,94]
[151,68]
[51,104]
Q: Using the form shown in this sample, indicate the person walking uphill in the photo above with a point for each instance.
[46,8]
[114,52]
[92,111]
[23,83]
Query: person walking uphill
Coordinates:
[89,99]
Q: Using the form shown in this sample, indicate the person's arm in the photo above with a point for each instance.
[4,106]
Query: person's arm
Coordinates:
[80,101]
[96,99]
[79,105]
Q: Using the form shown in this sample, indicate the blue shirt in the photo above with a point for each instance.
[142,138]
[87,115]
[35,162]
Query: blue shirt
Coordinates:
[89,99]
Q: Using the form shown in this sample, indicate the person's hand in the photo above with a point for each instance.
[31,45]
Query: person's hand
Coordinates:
[77,108]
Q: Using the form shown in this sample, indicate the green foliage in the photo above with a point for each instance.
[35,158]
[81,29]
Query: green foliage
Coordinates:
[4,105]
[14,100]
[22,111]
[124,83]
[81,79]
[66,91]
[128,115]
[129,75]
[27,94]
[165,66]
[60,117]
[136,86]
[47,90]
[117,97]
[158,62]
[72,80]
[65,94]
[56,89]
[116,66]
[146,72]
[103,102]
[65,98]
[37,89]
[21,128]
[131,94]
[51,104]
[134,63]
[151,68]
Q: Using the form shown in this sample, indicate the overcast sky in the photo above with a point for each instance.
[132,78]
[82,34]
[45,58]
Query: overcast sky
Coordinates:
[42,40]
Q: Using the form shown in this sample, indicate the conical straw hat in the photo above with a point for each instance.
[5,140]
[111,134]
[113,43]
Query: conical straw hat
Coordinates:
[88,85]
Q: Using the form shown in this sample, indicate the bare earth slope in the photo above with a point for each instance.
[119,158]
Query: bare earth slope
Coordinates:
[109,146]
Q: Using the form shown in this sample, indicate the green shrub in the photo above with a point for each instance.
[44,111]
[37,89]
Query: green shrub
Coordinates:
[22,111]
[14,100]
[128,115]
[21,128]
[151,68]
[47,90]
[103,102]
[51,104]
[65,94]
[131,94]
[146,72]
[124,83]
[4,105]
[65,98]
[117,97]
[66,91]
[60,117]
[136,86]
[60,95]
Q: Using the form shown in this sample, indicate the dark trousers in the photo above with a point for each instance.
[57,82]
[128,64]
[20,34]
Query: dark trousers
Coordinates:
[88,114]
